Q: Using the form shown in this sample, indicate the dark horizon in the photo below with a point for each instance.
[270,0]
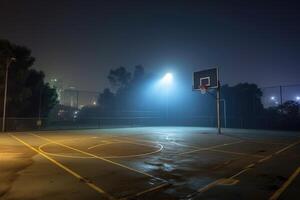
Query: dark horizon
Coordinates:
[80,42]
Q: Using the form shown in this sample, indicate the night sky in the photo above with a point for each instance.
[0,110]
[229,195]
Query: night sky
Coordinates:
[79,41]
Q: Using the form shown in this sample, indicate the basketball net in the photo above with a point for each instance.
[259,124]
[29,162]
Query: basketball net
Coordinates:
[203,89]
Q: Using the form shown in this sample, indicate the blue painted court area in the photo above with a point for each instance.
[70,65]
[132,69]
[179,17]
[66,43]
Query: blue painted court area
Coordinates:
[150,163]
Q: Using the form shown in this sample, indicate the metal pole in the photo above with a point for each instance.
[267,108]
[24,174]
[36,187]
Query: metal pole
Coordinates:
[218,103]
[77,97]
[225,112]
[39,121]
[5,93]
[167,110]
[40,103]
[280,90]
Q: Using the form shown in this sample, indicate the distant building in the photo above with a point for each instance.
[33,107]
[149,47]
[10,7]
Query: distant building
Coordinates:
[70,97]
[73,97]
[58,85]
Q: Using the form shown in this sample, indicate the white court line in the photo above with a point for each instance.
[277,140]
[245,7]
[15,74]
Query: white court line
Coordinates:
[248,167]
[76,175]
[98,157]
[106,143]
[159,146]
[212,147]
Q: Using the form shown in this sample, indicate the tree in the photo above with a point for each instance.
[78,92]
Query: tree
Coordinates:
[128,90]
[290,109]
[27,91]
[119,77]
[138,74]
[285,116]
[106,100]
[243,103]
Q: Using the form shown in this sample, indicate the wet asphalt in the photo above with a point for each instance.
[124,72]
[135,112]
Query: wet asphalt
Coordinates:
[150,163]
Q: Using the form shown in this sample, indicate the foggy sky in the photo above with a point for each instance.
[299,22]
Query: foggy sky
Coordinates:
[79,41]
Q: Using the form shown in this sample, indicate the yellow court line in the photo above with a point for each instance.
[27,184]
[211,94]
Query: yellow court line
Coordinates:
[149,190]
[98,157]
[285,185]
[265,158]
[268,143]
[136,140]
[236,153]
[216,150]
[139,155]
[287,147]
[91,157]
[212,147]
[185,145]
[207,187]
[76,175]
[124,141]
[10,153]
[106,143]
[61,155]
[251,165]
[229,182]
[239,173]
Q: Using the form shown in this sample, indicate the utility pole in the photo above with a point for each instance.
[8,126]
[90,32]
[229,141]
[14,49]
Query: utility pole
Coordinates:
[8,62]
[39,121]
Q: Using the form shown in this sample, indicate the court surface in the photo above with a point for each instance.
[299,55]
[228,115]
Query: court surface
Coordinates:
[162,163]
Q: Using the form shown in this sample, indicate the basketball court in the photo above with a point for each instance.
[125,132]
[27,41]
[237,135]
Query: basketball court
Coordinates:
[162,163]
[150,163]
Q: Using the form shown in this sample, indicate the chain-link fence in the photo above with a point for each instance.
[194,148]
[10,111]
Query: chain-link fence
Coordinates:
[80,109]
[78,98]
[277,95]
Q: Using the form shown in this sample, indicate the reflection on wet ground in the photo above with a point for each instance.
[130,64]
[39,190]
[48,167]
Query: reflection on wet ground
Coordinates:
[153,163]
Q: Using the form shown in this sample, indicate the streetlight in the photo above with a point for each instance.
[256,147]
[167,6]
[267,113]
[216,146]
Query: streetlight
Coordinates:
[273,99]
[166,82]
[8,62]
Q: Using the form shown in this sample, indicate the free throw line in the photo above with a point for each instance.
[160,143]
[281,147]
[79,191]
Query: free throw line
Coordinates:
[98,157]
[76,175]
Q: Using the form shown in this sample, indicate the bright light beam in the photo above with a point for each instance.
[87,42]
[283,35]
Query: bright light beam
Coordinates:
[167,79]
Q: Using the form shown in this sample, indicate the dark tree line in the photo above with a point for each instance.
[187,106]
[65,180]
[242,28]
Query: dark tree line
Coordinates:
[124,94]
[28,94]
[243,102]
[285,116]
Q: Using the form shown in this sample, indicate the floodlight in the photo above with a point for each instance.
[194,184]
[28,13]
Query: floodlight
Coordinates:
[167,79]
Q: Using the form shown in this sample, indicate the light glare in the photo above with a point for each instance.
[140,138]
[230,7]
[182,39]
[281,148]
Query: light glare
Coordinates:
[272,98]
[167,79]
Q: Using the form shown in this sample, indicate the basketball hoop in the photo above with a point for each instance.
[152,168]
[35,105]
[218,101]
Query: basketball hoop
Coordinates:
[203,89]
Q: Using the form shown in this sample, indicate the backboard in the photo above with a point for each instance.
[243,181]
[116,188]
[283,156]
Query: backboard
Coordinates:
[208,78]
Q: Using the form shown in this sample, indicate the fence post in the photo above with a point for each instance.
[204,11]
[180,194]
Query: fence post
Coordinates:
[77,97]
[280,92]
